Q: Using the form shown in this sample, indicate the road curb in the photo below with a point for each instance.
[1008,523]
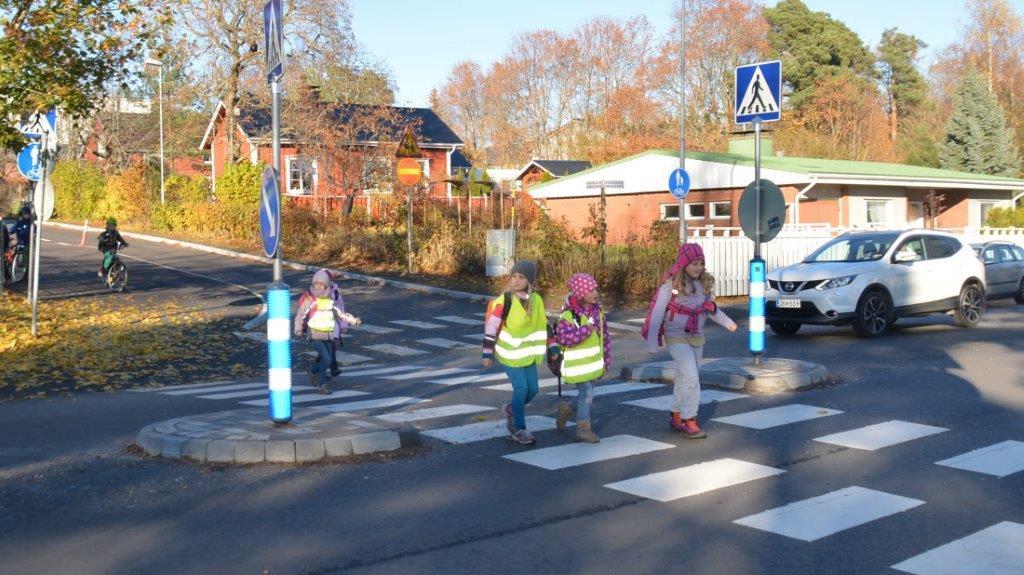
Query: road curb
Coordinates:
[774,375]
[259,319]
[246,437]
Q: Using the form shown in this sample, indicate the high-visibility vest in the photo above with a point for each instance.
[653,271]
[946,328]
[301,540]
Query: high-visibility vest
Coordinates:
[585,361]
[323,317]
[523,337]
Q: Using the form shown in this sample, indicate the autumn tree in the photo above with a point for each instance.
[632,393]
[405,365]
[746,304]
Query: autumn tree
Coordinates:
[460,100]
[905,87]
[64,54]
[977,139]
[813,46]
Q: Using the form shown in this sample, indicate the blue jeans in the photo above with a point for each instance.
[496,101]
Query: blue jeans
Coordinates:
[322,368]
[584,399]
[524,389]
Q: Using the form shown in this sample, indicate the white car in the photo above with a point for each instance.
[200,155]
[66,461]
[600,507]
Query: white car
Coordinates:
[869,279]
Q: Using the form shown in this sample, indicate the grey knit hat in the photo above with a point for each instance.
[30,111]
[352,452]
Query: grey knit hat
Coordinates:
[527,268]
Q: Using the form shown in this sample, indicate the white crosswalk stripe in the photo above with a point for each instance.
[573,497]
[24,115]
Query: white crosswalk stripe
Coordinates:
[426,374]
[369,404]
[479,337]
[691,480]
[344,358]
[664,402]
[469,379]
[775,416]
[818,517]
[624,327]
[446,343]
[434,412]
[375,329]
[474,432]
[417,324]
[609,389]
[309,398]
[547,382]
[1000,460]
[392,349]
[209,389]
[880,435]
[573,454]
[995,550]
[164,388]
[251,393]
[378,371]
[458,320]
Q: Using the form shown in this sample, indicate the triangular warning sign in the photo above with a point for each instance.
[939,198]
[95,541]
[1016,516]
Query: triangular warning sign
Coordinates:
[408,147]
[758,97]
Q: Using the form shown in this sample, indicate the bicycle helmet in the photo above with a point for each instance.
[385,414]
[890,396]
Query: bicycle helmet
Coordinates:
[112,222]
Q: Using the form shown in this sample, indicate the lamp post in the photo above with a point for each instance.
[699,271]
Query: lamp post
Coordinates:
[159,65]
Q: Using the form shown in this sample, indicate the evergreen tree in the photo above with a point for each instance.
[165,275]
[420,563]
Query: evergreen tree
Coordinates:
[904,85]
[977,139]
[814,46]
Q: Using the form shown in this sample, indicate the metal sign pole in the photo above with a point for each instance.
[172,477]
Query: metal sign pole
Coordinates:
[279,303]
[408,227]
[757,265]
[682,115]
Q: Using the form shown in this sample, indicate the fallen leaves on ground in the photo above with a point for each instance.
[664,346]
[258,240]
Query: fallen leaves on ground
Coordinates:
[107,344]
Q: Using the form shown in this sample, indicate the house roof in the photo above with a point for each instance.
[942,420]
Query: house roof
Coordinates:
[459,161]
[557,168]
[731,170]
[431,130]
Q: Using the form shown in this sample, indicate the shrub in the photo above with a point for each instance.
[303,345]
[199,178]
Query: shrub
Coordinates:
[240,184]
[1005,218]
[78,187]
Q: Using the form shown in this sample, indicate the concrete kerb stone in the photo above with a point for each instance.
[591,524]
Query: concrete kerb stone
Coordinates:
[246,437]
[259,319]
[774,375]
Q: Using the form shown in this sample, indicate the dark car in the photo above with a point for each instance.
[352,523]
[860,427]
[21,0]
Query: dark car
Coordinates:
[1004,269]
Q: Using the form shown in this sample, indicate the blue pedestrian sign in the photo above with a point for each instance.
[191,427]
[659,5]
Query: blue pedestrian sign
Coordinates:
[759,92]
[270,212]
[38,124]
[30,162]
[273,39]
[679,183]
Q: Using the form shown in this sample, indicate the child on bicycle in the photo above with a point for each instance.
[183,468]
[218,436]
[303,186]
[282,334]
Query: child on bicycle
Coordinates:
[109,242]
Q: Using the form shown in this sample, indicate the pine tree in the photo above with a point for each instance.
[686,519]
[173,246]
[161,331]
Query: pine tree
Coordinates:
[977,139]
[904,85]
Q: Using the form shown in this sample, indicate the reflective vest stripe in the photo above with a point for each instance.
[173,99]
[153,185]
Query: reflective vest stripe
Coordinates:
[574,354]
[323,318]
[584,361]
[582,370]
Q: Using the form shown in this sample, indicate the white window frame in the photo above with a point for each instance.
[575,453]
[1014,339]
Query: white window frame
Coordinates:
[689,211]
[425,166]
[714,214]
[662,209]
[888,211]
[288,176]
[385,187]
[981,213]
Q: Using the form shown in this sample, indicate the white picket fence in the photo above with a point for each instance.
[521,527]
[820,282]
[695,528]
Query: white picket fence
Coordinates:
[729,252]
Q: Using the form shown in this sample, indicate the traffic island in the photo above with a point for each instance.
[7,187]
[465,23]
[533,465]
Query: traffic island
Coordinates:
[247,436]
[773,375]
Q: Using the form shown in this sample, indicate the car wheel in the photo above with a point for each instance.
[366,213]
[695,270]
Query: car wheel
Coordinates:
[784,327]
[970,306]
[874,314]
[1019,296]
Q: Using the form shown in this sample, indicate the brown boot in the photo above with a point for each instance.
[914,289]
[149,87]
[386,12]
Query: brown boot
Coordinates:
[565,412]
[583,432]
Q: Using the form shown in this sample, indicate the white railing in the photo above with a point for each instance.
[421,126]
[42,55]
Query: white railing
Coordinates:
[729,252]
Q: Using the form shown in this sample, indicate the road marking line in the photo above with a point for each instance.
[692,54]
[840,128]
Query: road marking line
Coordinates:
[250,393]
[776,416]
[198,390]
[880,435]
[1000,460]
[995,550]
[416,324]
[381,370]
[165,388]
[695,479]
[626,387]
[469,379]
[818,517]
[392,349]
[487,430]
[547,382]
[447,343]
[433,412]
[458,320]
[637,320]
[574,454]
[664,402]
[370,404]
[427,373]
[475,336]
[370,328]
[307,398]
[624,327]
[344,357]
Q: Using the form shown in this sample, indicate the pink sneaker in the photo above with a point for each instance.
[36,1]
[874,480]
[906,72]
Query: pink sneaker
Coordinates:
[691,430]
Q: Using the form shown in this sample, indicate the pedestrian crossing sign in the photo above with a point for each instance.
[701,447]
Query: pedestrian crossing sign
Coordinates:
[759,92]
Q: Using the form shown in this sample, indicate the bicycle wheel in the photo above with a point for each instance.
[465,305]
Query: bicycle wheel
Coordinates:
[19,267]
[117,277]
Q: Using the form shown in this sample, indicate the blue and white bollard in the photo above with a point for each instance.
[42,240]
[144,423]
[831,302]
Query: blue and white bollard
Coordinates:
[280,352]
[757,279]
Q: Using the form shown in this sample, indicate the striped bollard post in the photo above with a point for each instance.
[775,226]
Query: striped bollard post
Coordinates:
[757,279]
[280,352]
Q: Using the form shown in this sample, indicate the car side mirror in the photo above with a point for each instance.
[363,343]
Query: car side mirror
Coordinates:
[905,257]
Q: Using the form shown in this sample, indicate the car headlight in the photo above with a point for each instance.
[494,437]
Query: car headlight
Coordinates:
[835,282]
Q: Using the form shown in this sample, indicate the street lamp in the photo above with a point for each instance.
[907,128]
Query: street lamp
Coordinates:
[159,65]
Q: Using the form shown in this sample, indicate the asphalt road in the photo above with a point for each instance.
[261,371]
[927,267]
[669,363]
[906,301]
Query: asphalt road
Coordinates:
[73,499]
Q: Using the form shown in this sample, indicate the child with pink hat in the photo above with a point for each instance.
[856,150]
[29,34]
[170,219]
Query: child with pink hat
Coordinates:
[676,317]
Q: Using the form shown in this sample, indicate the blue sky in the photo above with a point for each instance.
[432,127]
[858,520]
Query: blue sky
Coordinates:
[420,46]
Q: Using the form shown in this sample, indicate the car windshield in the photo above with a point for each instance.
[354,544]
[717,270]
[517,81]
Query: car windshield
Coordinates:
[860,248]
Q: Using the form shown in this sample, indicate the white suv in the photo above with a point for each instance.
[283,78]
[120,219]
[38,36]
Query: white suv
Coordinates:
[869,279]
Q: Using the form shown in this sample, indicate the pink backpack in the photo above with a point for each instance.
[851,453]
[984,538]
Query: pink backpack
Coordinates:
[646,329]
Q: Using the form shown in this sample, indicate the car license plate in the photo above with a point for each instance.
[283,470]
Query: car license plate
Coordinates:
[788,303]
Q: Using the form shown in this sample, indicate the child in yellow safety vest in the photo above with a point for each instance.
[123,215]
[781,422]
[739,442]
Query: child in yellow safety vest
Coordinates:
[322,314]
[516,334]
[586,351]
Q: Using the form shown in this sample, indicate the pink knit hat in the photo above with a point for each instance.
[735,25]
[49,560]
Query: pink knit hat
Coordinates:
[581,284]
[687,254]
